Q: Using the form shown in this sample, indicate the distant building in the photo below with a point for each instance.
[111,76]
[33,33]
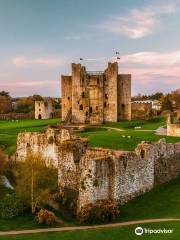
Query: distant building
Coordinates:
[44,109]
[144,109]
[96,97]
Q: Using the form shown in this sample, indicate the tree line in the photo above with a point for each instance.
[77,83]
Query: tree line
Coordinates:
[169,101]
[20,105]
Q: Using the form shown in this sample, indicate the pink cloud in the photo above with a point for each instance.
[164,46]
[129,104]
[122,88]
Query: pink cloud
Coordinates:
[138,23]
[22,61]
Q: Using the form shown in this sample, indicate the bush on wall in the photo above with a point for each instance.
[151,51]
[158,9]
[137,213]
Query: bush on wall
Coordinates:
[99,212]
[45,217]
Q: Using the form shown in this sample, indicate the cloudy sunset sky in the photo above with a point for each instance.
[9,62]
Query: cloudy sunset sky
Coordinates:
[40,38]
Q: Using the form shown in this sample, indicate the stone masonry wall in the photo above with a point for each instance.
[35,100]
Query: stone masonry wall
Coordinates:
[90,174]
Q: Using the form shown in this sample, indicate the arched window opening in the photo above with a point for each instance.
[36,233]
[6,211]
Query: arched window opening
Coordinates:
[142,153]
[83,95]
[81,107]
[90,109]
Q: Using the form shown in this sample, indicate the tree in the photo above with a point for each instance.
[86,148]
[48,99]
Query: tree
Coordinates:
[35,181]
[175,98]
[5,94]
[166,103]
[2,164]
[5,104]
[26,105]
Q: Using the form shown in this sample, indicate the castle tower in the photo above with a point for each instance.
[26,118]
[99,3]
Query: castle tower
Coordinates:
[44,109]
[95,97]
[110,93]
[124,97]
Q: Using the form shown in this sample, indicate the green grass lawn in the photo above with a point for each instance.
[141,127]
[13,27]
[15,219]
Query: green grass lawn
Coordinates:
[121,233]
[114,139]
[101,137]
[151,124]
[10,129]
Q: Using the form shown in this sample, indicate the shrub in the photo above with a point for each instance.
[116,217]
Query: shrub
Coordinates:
[45,216]
[10,206]
[101,211]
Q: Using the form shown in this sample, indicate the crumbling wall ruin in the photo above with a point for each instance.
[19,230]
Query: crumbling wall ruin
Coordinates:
[90,174]
[173,127]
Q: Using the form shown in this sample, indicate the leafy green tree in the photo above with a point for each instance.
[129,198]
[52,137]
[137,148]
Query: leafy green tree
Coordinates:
[5,104]
[166,103]
[26,105]
[5,94]
[35,181]
[2,164]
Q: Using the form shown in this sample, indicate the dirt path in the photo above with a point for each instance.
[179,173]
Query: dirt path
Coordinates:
[75,228]
[115,129]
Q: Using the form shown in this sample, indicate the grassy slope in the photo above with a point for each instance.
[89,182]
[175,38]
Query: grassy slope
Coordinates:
[161,202]
[125,233]
[10,129]
[99,137]
[151,124]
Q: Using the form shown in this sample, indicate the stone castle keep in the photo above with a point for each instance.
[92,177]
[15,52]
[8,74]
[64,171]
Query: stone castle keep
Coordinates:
[96,97]
[89,174]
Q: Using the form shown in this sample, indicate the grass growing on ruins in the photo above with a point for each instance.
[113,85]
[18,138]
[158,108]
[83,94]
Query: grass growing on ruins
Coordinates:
[125,233]
[10,129]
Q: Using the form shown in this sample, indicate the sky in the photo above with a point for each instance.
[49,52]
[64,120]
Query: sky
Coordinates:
[39,39]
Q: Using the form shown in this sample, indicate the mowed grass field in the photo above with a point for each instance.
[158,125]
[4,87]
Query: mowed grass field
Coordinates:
[97,136]
[10,129]
[128,138]
[121,233]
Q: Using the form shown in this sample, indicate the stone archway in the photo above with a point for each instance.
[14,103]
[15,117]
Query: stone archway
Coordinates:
[39,116]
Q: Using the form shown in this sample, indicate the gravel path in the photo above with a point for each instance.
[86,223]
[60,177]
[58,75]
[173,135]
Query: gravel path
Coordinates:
[75,228]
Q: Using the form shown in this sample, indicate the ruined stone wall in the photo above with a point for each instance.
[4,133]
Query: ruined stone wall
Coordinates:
[167,162]
[44,144]
[66,93]
[173,125]
[173,130]
[43,109]
[124,96]
[117,176]
[121,176]
[141,110]
[90,174]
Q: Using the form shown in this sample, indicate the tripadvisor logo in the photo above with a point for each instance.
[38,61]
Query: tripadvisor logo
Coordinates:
[139,231]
